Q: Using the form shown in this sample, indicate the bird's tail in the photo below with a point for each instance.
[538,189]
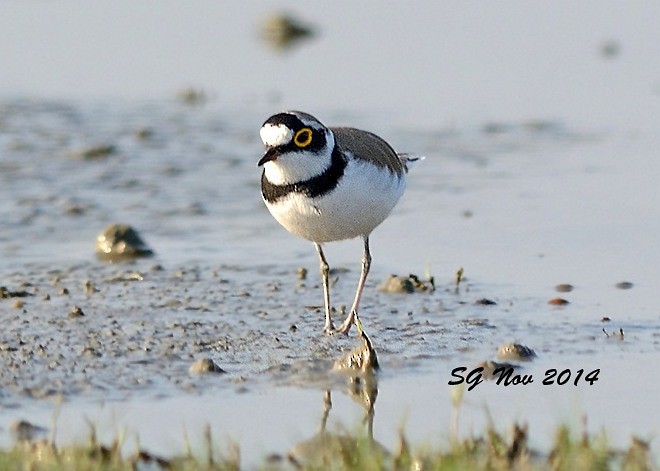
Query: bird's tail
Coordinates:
[410,160]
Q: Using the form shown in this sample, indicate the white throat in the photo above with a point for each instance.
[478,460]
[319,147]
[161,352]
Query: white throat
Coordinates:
[294,167]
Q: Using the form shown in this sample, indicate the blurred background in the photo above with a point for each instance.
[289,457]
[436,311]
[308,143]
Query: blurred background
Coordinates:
[434,63]
[163,100]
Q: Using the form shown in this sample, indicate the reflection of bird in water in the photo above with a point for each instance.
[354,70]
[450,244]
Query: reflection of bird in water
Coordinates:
[359,367]
[325,447]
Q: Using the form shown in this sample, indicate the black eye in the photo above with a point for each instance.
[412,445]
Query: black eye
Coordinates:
[303,138]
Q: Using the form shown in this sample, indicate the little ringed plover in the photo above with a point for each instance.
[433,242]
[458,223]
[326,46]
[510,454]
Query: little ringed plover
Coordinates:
[327,184]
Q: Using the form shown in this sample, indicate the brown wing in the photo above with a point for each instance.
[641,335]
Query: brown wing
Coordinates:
[367,146]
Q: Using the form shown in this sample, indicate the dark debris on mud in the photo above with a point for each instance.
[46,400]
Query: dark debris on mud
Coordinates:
[112,330]
[115,329]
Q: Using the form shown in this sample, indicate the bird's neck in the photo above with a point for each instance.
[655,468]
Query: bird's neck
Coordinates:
[313,187]
[294,167]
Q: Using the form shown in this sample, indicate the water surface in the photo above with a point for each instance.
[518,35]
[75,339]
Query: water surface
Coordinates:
[540,169]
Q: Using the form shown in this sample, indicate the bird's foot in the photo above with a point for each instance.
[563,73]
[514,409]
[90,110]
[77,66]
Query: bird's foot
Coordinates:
[329,328]
[345,327]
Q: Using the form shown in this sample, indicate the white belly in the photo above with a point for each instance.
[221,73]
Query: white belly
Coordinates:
[364,197]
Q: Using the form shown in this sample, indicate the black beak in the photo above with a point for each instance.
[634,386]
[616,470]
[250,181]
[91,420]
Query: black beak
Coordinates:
[271,154]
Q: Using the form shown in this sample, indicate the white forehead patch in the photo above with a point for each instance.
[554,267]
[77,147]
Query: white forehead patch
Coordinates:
[274,136]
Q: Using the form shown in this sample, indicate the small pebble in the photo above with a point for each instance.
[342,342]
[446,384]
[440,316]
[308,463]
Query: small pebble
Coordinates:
[192,96]
[95,152]
[610,49]
[485,302]
[564,288]
[75,210]
[624,285]
[301,272]
[558,302]
[144,133]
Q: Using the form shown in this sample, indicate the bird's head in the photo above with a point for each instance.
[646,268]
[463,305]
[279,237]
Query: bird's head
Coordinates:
[298,146]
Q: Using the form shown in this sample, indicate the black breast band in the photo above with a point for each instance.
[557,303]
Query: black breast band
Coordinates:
[312,187]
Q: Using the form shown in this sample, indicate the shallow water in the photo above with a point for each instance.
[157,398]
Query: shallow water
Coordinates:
[520,201]
[146,322]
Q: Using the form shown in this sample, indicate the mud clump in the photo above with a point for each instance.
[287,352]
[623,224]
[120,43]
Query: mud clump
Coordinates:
[24,431]
[192,96]
[6,294]
[406,284]
[120,242]
[204,366]
[362,358]
[515,352]
[490,366]
[76,312]
[282,31]
[485,302]
[397,284]
[95,152]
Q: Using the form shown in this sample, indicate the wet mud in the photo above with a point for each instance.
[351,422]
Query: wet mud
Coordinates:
[104,329]
[116,330]
[227,303]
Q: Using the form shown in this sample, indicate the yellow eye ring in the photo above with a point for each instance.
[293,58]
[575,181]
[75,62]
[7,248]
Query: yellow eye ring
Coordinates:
[303,138]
